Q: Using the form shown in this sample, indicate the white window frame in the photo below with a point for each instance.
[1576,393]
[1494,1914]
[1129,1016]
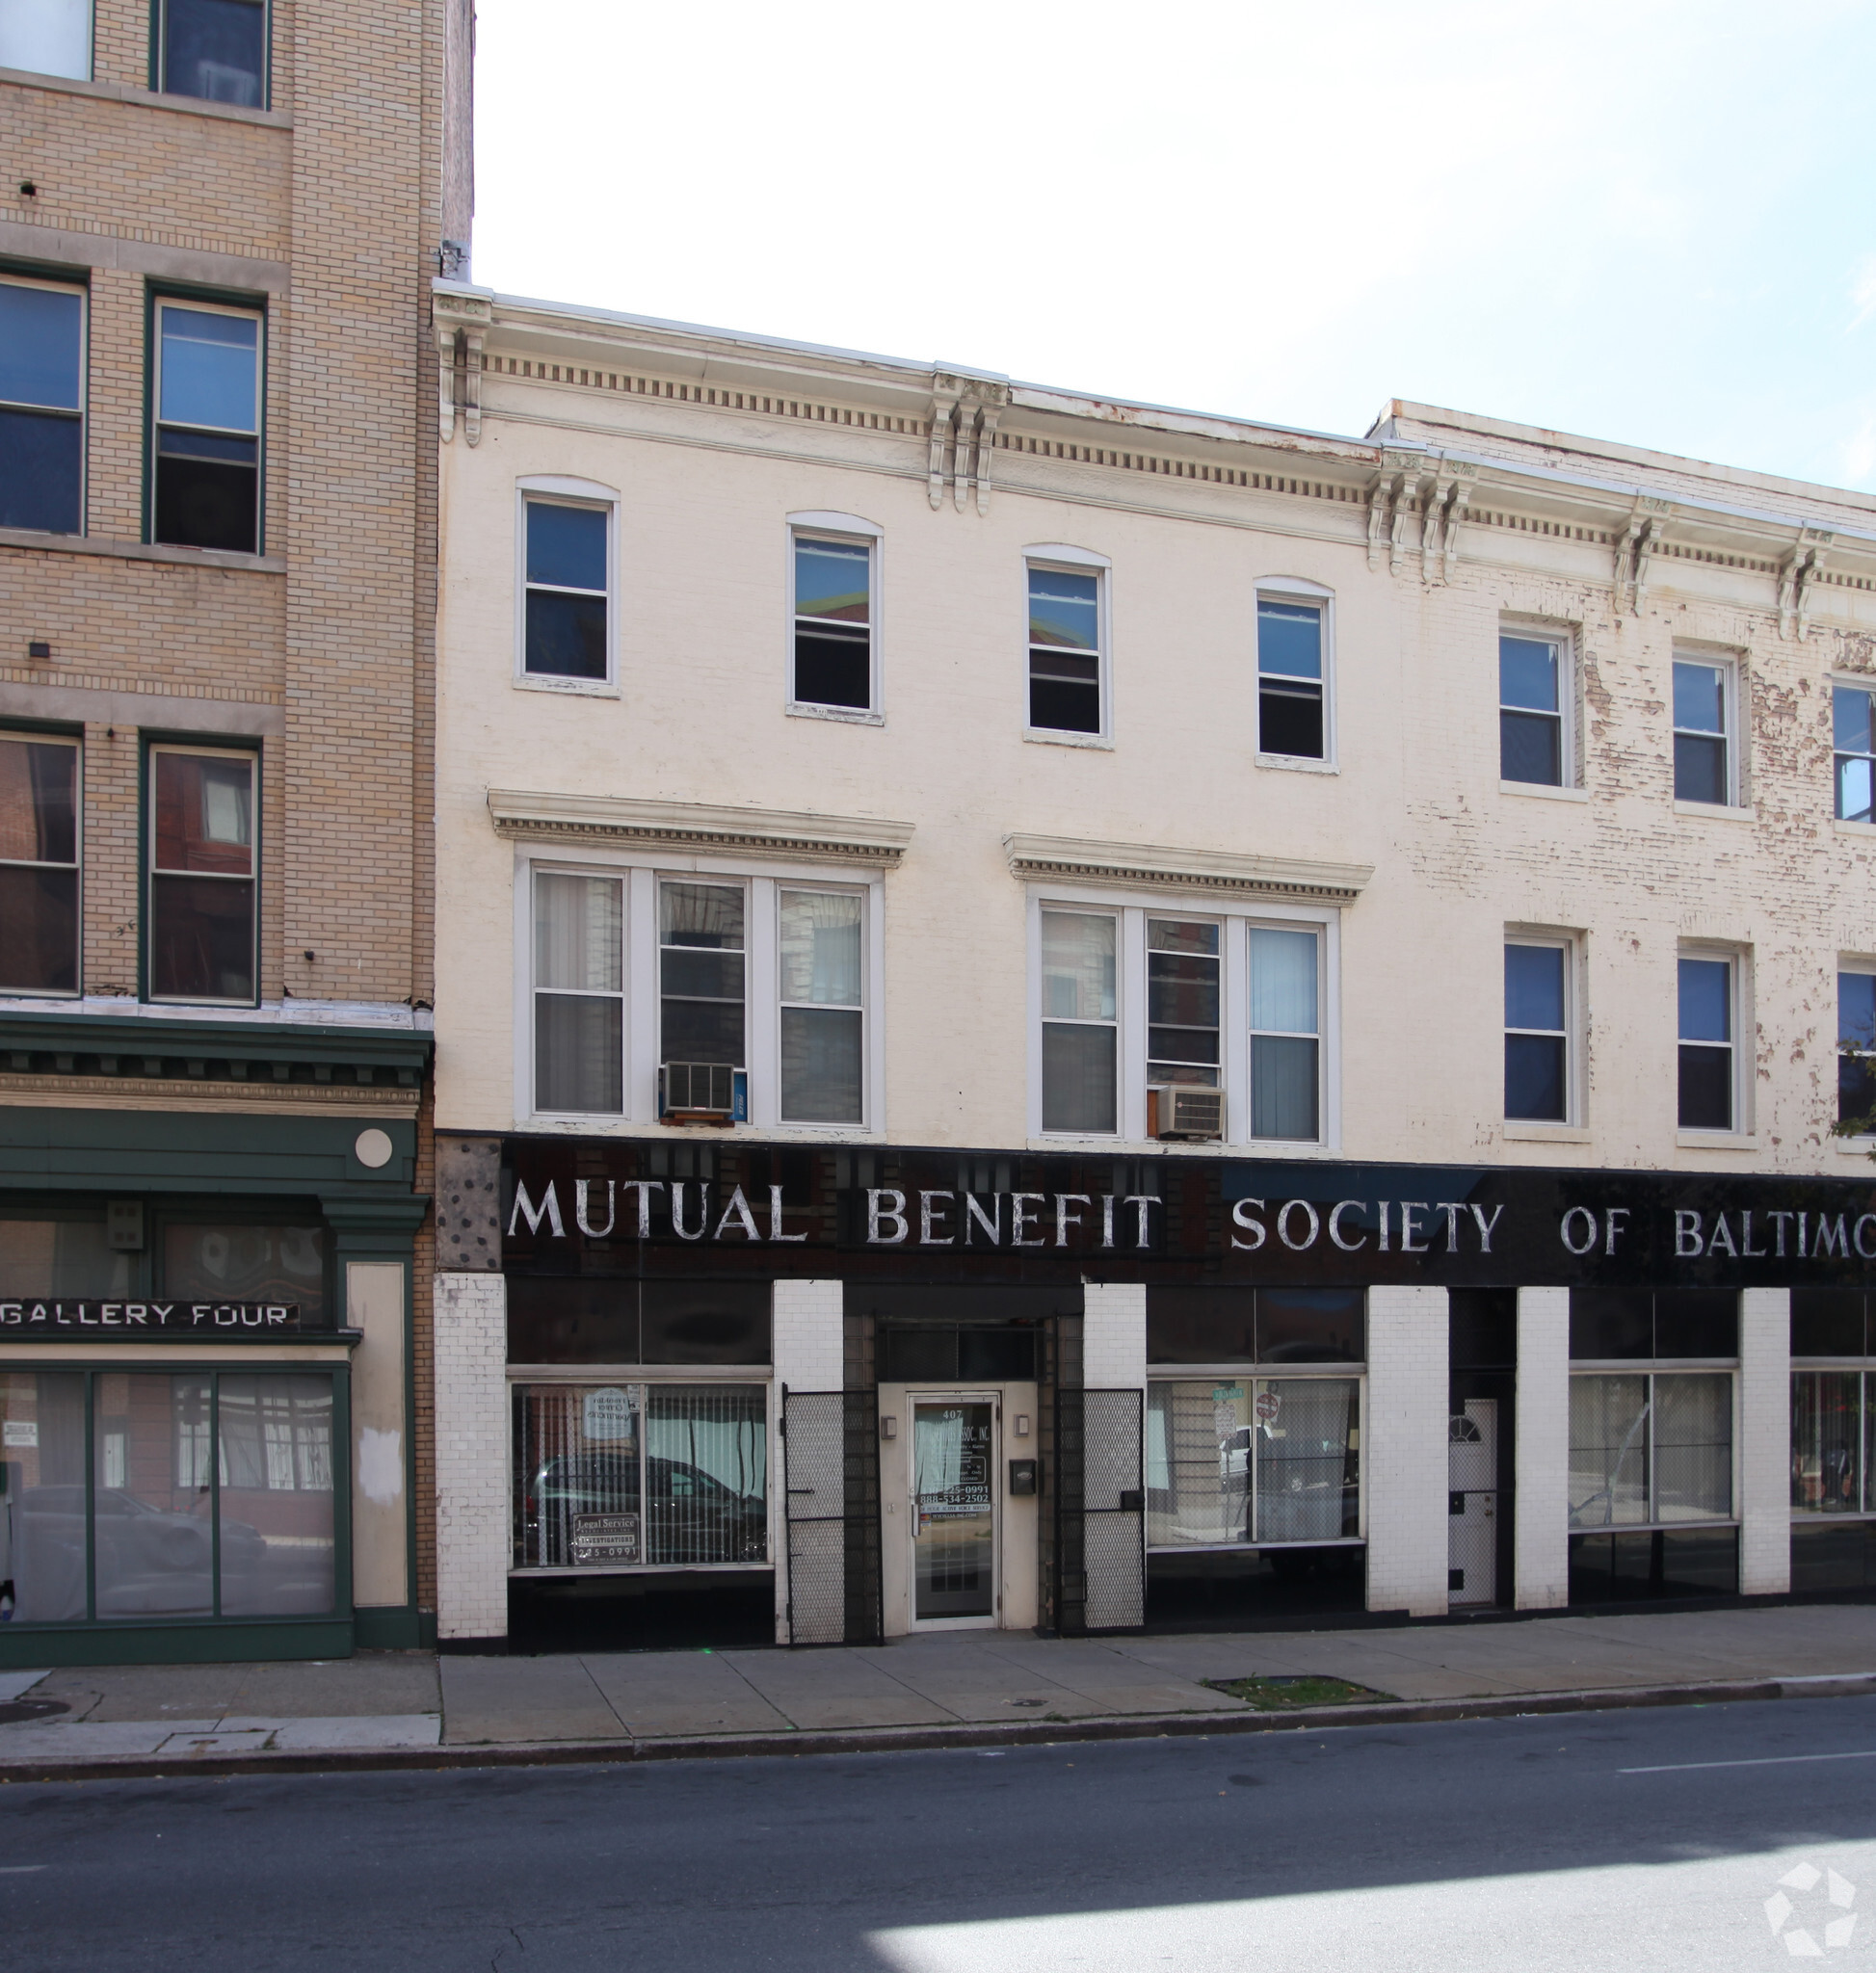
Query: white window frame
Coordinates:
[150,872]
[83,413]
[1863,967]
[1570,943]
[1296,588]
[849,530]
[1536,630]
[1738,958]
[762,884]
[529,1066]
[1073,561]
[85,73]
[28,737]
[1133,908]
[1848,681]
[557,490]
[1731,699]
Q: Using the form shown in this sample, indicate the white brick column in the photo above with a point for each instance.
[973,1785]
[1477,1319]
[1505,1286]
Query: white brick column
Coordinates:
[810,1333]
[1540,1468]
[473,1518]
[1765,1442]
[1113,1337]
[1405,1448]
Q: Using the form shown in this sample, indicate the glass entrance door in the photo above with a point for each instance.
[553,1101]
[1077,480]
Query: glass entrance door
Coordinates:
[954,1512]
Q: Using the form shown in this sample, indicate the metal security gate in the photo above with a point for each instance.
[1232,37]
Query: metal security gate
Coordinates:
[1472,1504]
[830,1466]
[1113,1517]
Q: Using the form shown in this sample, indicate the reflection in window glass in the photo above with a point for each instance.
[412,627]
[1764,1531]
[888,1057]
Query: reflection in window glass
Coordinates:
[1853,750]
[566,590]
[43,1502]
[579,1001]
[1065,676]
[231,1261]
[1827,1438]
[1266,1460]
[700,937]
[1284,1050]
[1289,679]
[1692,1428]
[1650,1449]
[1530,711]
[1707,1070]
[833,636]
[1182,1001]
[1702,767]
[820,1008]
[276,1477]
[1856,1044]
[42,422]
[1078,1022]
[1608,1450]
[706,1489]
[63,1256]
[207,449]
[217,50]
[47,38]
[1536,1040]
[201,881]
[39,866]
[154,1508]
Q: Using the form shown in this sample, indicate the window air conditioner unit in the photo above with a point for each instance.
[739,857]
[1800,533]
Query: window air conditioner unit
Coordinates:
[1185,1109]
[703,1092]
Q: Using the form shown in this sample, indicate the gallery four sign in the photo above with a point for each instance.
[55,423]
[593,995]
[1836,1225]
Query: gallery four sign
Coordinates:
[28,1317]
[611,1207]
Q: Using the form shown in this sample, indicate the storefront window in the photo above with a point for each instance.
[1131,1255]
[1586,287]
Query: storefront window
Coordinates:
[68,1257]
[1828,1431]
[620,1476]
[1259,1460]
[1650,1449]
[211,1495]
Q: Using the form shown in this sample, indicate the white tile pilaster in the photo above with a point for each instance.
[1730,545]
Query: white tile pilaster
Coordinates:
[1405,1450]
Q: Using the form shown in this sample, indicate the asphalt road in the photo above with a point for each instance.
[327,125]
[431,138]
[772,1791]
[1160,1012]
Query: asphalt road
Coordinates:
[1527,1844]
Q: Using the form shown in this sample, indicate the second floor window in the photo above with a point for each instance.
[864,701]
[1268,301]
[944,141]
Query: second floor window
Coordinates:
[1852,737]
[1537,1033]
[1182,1002]
[48,36]
[701,990]
[207,437]
[1531,732]
[1703,731]
[822,1079]
[833,623]
[579,1003]
[1290,707]
[1065,651]
[38,865]
[1286,1034]
[1080,1010]
[1707,1078]
[202,917]
[1856,1049]
[213,49]
[566,631]
[42,422]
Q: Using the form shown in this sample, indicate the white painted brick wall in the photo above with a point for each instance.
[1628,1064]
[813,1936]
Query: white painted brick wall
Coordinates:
[809,1355]
[1405,1450]
[1114,1336]
[472,1504]
[1540,1565]
[1766,1441]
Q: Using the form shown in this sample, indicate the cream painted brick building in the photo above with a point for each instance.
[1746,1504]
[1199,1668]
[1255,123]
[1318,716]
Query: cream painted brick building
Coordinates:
[217,570]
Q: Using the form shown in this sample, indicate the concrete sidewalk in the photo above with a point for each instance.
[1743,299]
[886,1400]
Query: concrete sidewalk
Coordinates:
[403,1703]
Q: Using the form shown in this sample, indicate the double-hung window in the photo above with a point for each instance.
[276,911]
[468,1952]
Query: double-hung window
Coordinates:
[1066,686]
[822,1042]
[213,49]
[38,864]
[206,444]
[1533,729]
[42,406]
[1853,734]
[1286,1033]
[703,1016]
[833,623]
[1709,1076]
[567,564]
[1080,1012]
[1183,996]
[579,998]
[1536,1031]
[200,928]
[47,38]
[1705,764]
[1292,709]
[1856,1050]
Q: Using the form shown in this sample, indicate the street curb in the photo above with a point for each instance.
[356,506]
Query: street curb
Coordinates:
[912,1739]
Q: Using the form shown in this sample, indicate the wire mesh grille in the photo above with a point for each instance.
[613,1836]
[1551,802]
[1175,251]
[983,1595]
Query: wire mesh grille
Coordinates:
[1111,1456]
[1116,1598]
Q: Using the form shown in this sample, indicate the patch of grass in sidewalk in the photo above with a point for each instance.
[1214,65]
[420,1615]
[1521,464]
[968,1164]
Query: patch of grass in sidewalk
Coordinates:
[1286,1694]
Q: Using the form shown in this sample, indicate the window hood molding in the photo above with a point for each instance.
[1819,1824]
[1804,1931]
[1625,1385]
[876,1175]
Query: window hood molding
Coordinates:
[855,840]
[1151,866]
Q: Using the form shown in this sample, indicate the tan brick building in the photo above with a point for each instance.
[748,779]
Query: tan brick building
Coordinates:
[217,550]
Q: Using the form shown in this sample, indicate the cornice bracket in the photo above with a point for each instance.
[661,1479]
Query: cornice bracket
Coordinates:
[1802,568]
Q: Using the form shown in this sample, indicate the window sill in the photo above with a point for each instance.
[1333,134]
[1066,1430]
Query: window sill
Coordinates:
[139,551]
[1184,1148]
[610,1124]
[1043,736]
[840,715]
[578,688]
[1865,830]
[1544,1133]
[1296,764]
[1857,1146]
[1716,1140]
[1543,791]
[1716,811]
[120,93]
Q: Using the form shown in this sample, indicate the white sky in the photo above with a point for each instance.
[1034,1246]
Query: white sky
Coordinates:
[1650,221]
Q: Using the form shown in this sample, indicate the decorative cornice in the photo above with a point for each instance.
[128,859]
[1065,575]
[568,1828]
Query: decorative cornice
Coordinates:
[858,840]
[117,1057]
[1151,866]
